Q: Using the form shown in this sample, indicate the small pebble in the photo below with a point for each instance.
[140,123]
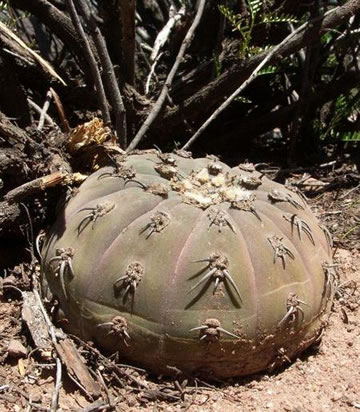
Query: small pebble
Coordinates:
[16,349]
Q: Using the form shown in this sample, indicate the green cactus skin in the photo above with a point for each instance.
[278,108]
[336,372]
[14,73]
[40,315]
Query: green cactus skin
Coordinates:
[190,264]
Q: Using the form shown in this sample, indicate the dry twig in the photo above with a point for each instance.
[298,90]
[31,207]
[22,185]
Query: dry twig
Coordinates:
[60,110]
[44,110]
[164,92]
[108,73]
[41,111]
[37,57]
[91,61]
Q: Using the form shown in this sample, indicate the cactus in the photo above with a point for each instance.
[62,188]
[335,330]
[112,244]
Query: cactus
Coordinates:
[190,264]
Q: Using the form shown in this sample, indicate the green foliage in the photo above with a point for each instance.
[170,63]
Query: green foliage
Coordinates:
[246,25]
[268,70]
[7,15]
[346,109]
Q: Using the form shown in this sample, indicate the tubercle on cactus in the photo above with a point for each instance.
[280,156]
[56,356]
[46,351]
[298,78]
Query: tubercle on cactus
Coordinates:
[167,158]
[159,189]
[250,182]
[246,205]
[99,210]
[158,222]
[301,225]
[118,326]
[219,218]
[247,167]
[280,250]
[167,171]
[280,359]
[277,196]
[120,171]
[133,275]
[293,308]
[218,264]
[331,278]
[183,153]
[296,190]
[210,330]
[63,258]
[214,168]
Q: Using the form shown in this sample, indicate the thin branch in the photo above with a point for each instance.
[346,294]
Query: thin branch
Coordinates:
[55,396]
[151,73]
[252,76]
[165,32]
[158,105]
[60,110]
[40,110]
[91,61]
[259,122]
[108,73]
[44,110]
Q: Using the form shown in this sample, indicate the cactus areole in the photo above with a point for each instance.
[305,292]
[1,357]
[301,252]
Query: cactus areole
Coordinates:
[182,263]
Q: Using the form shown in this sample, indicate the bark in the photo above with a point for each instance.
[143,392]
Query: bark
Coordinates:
[28,72]
[58,22]
[119,31]
[257,123]
[13,99]
[22,162]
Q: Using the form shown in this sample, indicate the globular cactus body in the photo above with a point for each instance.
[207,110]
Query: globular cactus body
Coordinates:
[190,264]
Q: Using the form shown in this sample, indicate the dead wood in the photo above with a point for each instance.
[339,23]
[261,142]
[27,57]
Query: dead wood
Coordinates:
[28,169]
[213,94]
[34,320]
[76,366]
[58,22]
[37,185]
[259,123]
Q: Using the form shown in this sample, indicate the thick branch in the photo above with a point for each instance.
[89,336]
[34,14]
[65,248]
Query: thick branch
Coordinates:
[56,20]
[257,124]
[214,93]
[119,31]
[127,9]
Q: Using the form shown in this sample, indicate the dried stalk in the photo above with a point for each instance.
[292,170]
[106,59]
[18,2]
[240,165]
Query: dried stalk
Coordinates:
[44,64]
[55,396]
[108,73]
[164,92]
[44,110]
[165,32]
[60,110]
[91,61]
[40,110]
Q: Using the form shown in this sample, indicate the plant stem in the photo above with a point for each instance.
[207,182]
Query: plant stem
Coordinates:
[158,105]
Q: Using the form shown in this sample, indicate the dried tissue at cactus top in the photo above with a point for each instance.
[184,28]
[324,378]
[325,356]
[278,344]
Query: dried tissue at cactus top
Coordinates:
[182,263]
